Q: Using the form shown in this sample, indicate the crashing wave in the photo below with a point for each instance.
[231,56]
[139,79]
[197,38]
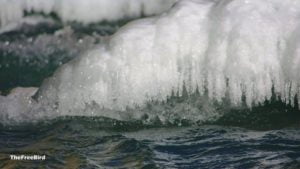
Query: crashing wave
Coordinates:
[230,51]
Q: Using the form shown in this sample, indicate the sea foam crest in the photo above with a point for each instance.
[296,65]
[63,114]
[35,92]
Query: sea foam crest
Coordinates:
[227,48]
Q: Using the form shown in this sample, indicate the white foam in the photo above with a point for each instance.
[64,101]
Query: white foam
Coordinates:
[85,11]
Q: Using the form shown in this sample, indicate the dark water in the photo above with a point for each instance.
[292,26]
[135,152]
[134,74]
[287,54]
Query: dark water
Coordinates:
[89,143]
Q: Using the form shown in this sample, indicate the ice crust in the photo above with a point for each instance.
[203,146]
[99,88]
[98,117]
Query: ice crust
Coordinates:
[84,11]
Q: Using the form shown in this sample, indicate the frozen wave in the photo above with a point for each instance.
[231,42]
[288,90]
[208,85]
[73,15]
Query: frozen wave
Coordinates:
[225,49]
[231,48]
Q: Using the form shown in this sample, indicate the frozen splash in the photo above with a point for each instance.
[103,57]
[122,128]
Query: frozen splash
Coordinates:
[84,11]
[225,49]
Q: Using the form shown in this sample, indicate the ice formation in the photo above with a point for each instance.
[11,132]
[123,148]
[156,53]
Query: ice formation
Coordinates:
[85,11]
[230,48]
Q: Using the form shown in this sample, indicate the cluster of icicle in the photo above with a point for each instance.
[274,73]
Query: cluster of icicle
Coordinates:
[227,48]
